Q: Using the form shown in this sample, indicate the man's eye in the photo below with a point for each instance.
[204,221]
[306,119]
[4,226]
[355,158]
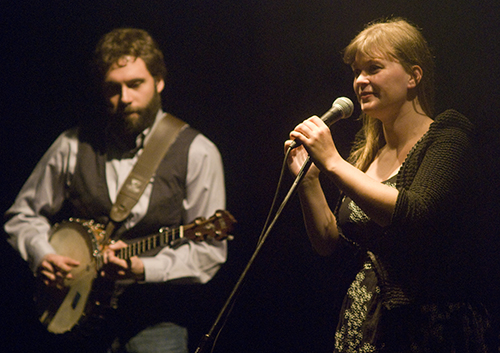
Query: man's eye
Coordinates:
[134,84]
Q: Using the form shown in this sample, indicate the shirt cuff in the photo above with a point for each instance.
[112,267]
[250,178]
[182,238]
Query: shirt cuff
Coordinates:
[154,269]
[39,249]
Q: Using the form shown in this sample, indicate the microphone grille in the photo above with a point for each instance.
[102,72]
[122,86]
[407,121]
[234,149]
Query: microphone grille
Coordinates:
[346,105]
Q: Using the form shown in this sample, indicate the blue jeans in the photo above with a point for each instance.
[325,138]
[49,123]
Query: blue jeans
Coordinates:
[164,337]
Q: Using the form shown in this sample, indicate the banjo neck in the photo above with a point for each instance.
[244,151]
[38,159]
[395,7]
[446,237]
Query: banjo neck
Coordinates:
[164,237]
[216,227]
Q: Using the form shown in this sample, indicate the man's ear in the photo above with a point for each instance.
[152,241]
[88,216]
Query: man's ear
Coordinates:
[160,84]
[415,76]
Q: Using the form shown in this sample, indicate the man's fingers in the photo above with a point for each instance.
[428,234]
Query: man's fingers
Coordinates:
[65,267]
[56,268]
[56,262]
[71,262]
[116,261]
[48,275]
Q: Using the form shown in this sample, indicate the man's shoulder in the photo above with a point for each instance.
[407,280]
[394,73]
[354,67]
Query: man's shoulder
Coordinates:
[202,144]
[72,133]
[66,139]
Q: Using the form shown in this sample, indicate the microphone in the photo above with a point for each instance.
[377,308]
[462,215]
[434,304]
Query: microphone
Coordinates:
[342,108]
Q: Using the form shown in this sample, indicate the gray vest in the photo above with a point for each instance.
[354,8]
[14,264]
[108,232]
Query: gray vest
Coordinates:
[89,196]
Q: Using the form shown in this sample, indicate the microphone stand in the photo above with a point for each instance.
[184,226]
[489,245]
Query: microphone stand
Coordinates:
[208,339]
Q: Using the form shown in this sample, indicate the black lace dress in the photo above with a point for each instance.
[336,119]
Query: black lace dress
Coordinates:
[366,325]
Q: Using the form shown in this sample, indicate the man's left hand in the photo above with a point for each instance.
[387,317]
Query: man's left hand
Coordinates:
[117,268]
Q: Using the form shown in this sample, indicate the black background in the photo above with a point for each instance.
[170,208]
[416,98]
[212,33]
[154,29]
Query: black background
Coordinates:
[244,72]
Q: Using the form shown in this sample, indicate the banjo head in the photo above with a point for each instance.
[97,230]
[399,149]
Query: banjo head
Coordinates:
[63,309]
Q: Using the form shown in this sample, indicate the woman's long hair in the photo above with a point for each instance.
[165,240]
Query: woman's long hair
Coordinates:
[403,42]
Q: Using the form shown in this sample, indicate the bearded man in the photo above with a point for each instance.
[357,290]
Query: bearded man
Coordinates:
[81,174]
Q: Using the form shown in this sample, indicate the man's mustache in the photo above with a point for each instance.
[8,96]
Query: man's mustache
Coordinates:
[123,111]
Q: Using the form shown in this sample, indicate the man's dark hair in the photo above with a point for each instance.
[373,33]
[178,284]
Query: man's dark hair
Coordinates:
[133,42]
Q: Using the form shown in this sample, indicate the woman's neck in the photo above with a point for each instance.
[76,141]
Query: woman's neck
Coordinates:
[401,134]
[406,128]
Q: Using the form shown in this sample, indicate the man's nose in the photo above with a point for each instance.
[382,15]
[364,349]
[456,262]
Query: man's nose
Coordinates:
[126,96]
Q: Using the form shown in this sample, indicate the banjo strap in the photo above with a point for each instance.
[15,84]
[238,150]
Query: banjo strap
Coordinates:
[162,137]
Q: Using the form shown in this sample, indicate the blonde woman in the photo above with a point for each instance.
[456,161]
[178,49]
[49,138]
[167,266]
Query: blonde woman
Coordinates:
[406,206]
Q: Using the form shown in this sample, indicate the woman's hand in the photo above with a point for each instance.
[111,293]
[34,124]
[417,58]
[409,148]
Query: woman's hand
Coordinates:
[315,141]
[316,138]
[296,160]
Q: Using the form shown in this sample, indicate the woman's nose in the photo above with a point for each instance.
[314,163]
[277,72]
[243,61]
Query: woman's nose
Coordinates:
[361,78]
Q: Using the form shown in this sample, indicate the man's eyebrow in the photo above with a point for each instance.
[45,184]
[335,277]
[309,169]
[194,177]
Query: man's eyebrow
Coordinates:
[135,80]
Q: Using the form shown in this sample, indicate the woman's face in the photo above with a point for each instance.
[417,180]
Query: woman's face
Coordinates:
[381,85]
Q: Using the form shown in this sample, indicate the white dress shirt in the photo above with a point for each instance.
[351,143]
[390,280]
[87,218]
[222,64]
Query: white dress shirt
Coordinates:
[45,190]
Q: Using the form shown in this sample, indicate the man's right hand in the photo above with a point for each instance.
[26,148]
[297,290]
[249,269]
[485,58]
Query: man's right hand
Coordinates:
[54,269]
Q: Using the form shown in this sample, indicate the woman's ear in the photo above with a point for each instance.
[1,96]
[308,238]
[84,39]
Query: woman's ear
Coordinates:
[415,76]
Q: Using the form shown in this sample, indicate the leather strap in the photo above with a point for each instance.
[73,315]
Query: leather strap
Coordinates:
[162,137]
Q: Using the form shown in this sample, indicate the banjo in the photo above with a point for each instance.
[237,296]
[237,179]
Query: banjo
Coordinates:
[86,295]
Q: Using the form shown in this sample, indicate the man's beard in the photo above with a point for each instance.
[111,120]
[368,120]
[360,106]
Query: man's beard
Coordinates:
[132,121]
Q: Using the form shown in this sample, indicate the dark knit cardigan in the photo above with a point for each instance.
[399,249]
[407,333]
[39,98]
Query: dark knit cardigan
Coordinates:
[426,253]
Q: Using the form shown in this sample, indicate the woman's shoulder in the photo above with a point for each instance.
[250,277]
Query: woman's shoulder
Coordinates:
[451,118]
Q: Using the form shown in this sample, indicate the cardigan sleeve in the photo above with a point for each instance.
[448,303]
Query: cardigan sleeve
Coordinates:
[425,249]
[436,175]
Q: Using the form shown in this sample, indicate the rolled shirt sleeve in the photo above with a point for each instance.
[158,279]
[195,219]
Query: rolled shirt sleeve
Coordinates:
[41,196]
